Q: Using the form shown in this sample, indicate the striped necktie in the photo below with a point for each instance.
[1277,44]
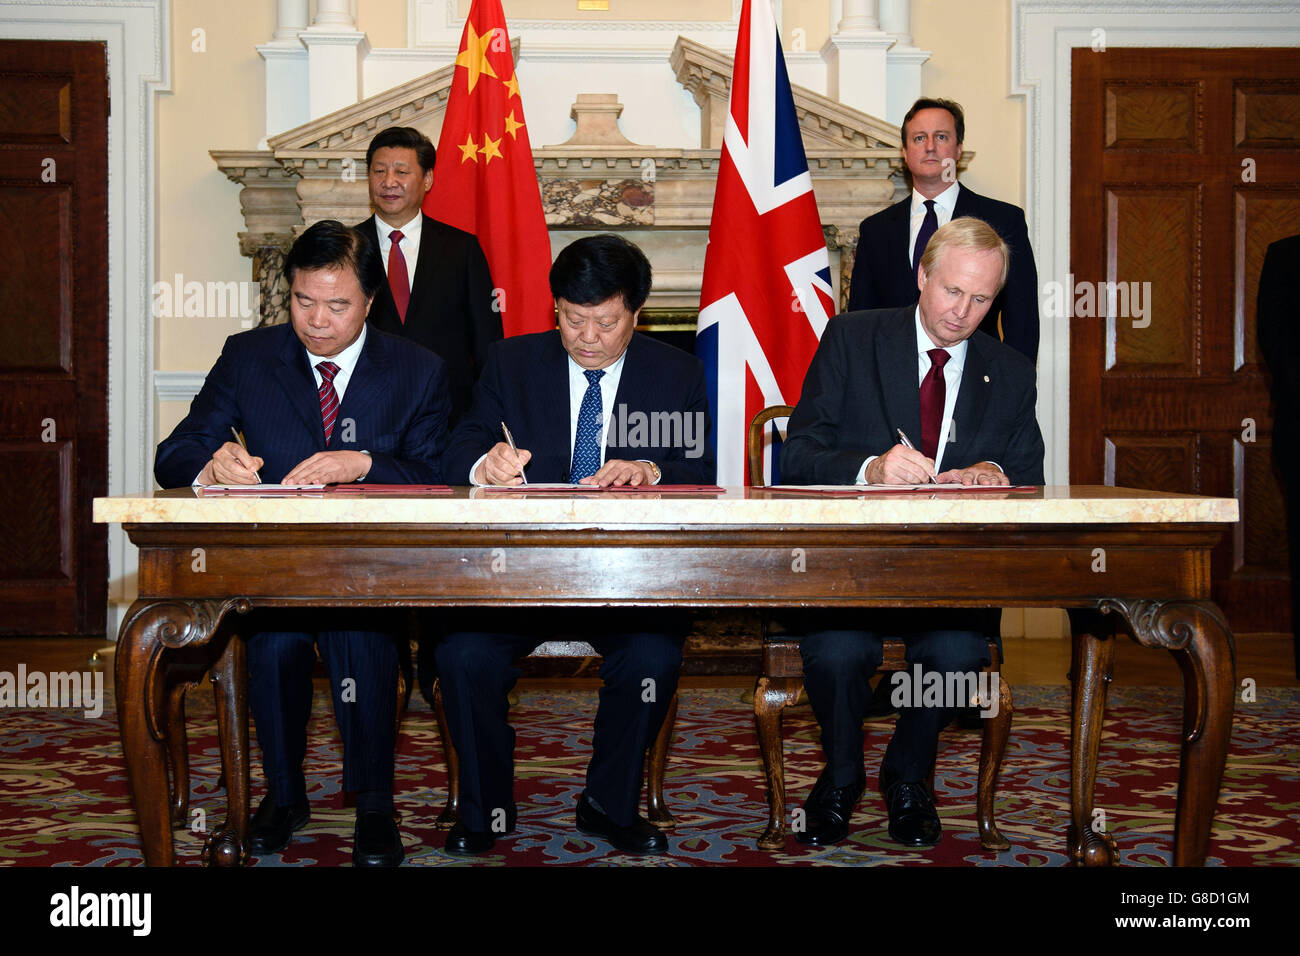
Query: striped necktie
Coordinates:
[329,399]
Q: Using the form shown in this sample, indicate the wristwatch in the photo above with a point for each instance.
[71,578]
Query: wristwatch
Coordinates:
[363,476]
[658,474]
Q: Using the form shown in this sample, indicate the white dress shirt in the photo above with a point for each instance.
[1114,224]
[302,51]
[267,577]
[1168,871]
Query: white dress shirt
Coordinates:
[410,243]
[951,383]
[944,204]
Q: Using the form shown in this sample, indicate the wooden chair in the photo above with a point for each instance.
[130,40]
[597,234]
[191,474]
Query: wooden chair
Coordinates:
[656,760]
[781,681]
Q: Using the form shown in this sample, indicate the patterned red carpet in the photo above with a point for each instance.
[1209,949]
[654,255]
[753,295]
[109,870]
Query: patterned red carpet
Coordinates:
[64,800]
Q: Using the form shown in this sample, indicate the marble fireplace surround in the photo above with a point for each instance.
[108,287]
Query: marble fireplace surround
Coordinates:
[659,197]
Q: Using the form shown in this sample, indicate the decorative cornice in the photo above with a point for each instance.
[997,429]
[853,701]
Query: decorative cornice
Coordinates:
[706,73]
[251,167]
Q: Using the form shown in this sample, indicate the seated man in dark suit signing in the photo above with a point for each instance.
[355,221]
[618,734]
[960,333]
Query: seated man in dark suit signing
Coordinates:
[968,402]
[568,397]
[320,400]
[891,241]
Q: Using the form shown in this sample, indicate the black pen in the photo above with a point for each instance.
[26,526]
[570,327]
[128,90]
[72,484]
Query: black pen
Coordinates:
[908,444]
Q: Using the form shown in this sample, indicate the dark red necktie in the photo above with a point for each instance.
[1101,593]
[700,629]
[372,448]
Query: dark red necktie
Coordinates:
[933,393]
[398,280]
[329,399]
[928,225]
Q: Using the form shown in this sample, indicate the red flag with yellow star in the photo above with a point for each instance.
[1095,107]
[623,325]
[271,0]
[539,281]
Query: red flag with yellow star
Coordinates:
[484,182]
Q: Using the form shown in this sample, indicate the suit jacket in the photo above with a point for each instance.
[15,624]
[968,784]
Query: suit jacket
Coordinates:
[862,386]
[526,385]
[450,311]
[883,278]
[262,385]
[1275,323]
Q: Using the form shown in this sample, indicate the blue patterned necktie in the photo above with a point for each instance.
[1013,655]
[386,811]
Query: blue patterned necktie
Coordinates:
[586,443]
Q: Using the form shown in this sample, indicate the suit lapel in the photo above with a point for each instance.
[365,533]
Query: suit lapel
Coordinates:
[972,398]
[896,364]
[426,262]
[899,251]
[299,385]
[365,386]
[553,420]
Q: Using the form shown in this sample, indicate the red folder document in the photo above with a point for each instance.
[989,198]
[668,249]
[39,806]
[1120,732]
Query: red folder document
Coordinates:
[389,491]
[854,490]
[562,489]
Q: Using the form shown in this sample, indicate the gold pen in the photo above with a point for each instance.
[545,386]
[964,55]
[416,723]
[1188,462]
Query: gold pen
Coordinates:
[239,437]
[908,444]
[511,440]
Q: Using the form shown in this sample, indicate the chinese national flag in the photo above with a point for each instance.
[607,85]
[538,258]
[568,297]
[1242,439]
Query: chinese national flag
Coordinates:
[484,181]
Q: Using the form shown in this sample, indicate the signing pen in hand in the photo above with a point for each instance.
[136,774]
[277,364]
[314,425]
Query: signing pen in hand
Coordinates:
[511,442]
[908,444]
[239,437]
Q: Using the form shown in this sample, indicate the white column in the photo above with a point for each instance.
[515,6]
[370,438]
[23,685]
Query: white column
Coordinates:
[855,59]
[896,18]
[904,60]
[336,51]
[287,102]
[334,15]
[291,19]
[858,16]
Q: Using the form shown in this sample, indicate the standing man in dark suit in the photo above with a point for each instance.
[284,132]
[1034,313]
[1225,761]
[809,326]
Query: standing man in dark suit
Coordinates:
[322,399]
[1279,341]
[891,242]
[967,401]
[438,295]
[572,399]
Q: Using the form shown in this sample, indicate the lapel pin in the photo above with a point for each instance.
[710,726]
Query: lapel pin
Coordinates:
[986,378]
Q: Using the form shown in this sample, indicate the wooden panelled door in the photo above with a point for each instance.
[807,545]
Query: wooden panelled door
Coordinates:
[53,336]
[1185,166]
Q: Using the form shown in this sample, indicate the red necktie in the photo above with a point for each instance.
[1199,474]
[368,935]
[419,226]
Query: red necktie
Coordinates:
[933,394]
[329,399]
[398,280]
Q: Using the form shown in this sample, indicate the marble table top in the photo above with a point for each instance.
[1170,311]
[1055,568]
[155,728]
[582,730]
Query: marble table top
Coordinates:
[1054,504]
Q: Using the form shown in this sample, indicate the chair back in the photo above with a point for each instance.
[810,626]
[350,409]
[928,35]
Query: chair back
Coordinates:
[754,444]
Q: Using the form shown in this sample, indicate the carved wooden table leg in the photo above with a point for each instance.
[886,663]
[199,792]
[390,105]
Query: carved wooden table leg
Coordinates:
[450,814]
[771,696]
[1196,633]
[227,846]
[656,810]
[1090,676]
[149,630]
[992,747]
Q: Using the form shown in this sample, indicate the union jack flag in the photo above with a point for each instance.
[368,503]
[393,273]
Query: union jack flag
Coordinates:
[766,294]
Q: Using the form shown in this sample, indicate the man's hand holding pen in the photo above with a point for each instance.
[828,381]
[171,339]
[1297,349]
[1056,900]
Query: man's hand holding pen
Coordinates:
[503,465]
[231,465]
[900,466]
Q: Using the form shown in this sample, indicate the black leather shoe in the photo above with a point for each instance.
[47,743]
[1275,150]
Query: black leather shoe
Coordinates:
[827,811]
[462,841]
[642,836]
[375,840]
[272,827]
[913,821]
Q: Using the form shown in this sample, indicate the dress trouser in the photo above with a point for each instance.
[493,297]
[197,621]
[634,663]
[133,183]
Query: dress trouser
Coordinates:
[840,654]
[362,669]
[639,669]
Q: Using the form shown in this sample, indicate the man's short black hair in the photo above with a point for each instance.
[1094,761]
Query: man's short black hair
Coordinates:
[953,107]
[592,269]
[404,137]
[331,245]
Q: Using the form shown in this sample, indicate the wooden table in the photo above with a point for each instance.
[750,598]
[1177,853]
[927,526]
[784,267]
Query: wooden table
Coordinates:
[201,558]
